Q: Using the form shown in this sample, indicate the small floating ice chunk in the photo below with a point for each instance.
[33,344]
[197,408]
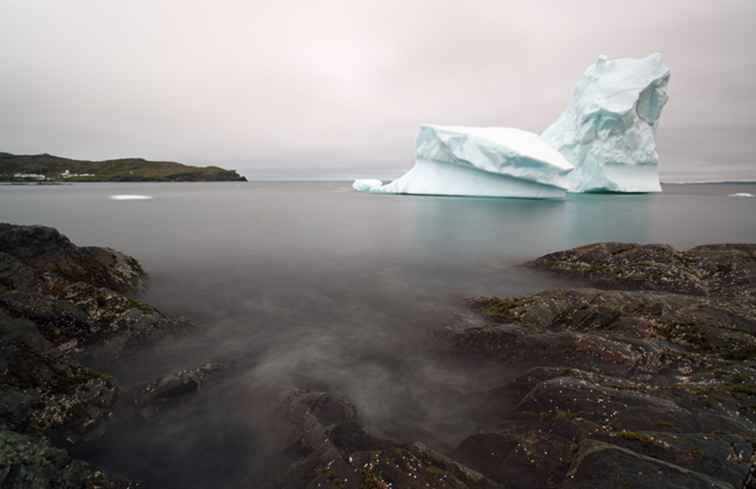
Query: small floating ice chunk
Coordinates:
[742,194]
[129,197]
[366,185]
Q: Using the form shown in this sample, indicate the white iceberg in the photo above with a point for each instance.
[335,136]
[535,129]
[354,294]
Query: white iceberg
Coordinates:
[608,130]
[604,141]
[479,161]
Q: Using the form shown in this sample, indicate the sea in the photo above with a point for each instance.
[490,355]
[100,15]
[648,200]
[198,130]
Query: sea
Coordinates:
[310,285]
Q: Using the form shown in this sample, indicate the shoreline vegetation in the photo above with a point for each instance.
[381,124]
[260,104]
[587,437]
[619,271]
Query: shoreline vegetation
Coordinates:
[50,169]
[643,375]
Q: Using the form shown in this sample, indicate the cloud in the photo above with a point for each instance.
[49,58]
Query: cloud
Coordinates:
[345,83]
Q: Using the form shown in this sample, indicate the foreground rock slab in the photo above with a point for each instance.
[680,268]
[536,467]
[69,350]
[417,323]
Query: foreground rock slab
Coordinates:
[63,306]
[330,449]
[648,379]
[28,462]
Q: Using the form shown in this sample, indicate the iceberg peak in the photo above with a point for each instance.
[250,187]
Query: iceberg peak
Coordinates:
[608,129]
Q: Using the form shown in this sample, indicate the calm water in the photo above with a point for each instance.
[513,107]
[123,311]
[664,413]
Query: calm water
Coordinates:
[311,284]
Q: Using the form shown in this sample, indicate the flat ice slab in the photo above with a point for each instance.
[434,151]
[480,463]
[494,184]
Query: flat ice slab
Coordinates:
[434,178]
[479,161]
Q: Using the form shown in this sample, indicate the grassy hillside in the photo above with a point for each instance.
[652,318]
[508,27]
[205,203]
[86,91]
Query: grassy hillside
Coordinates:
[121,170]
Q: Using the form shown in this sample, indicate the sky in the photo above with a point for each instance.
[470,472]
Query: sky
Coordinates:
[341,86]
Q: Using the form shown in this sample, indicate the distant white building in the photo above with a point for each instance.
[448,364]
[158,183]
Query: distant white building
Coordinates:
[68,174]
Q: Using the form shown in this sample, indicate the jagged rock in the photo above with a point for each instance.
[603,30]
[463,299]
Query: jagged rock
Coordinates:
[43,392]
[638,318]
[330,448]
[649,385]
[60,303]
[29,462]
[170,389]
[45,249]
[73,294]
[513,345]
[723,269]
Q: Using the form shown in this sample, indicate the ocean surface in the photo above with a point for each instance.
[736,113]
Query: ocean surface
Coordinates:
[312,285]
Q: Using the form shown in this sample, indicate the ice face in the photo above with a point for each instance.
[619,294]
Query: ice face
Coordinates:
[435,178]
[479,161]
[608,130]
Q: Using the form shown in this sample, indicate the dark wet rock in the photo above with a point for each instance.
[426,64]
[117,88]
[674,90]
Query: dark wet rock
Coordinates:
[694,323]
[613,409]
[513,345]
[30,462]
[599,464]
[310,419]
[724,457]
[75,295]
[330,448]
[167,391]
[45,249]
[15,275]
[721,269]
[61,305]
[530,453]
[647,381]
[43,392]
[415,466]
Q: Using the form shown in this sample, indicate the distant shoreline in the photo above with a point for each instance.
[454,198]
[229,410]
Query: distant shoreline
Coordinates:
[712,182]
[47,168]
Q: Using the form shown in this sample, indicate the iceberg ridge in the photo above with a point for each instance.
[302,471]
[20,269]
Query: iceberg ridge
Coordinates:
[479,161]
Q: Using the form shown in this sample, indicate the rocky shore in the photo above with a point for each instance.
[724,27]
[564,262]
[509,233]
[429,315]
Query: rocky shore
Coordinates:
[62,306]
[47,168]
[648,380]
[642,376]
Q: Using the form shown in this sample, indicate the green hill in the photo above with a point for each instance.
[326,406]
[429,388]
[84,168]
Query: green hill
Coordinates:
[55,168]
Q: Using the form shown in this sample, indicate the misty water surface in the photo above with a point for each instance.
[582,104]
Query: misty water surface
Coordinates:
[315,286]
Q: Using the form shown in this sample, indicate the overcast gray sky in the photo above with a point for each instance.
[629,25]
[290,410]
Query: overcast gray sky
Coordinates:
[344,84]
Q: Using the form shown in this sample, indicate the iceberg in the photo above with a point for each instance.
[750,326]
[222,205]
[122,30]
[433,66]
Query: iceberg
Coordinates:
[608,130]
[604,142]
[479,161]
